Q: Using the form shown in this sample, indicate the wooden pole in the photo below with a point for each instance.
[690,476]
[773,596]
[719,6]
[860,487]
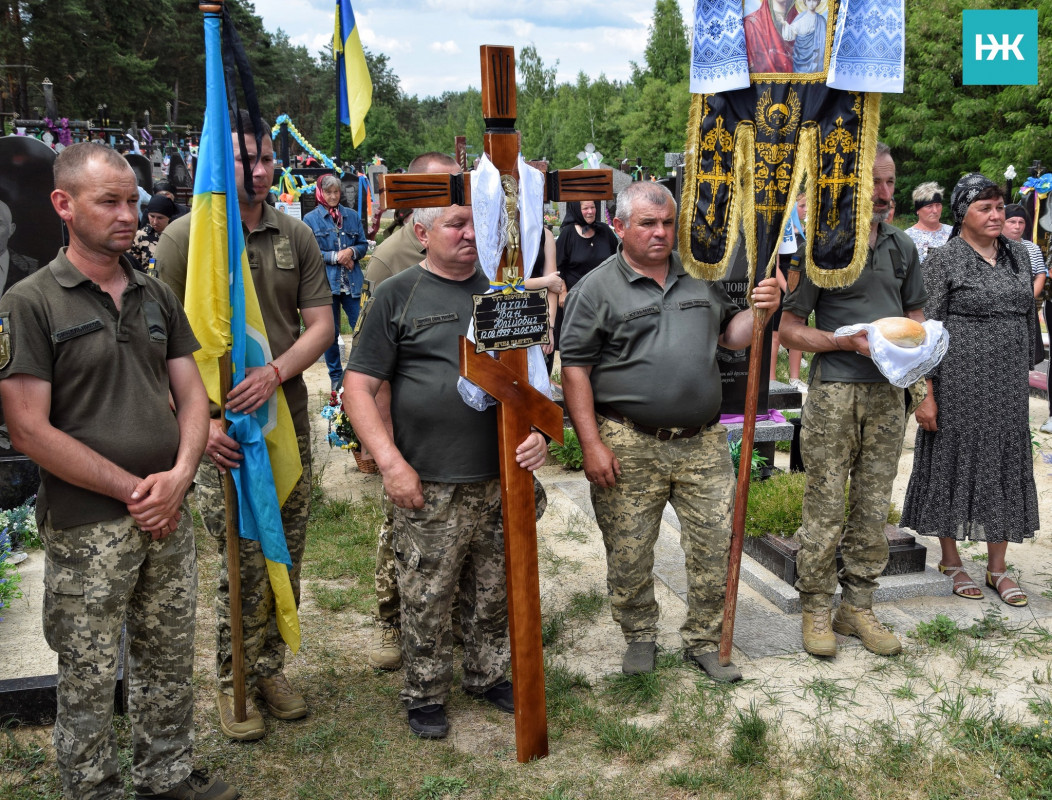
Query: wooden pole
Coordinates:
[520,408]
[233,563]
[741,496]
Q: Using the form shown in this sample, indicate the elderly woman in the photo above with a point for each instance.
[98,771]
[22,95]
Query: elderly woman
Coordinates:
[929,232]
[339,232]
[973,474]
[159,213]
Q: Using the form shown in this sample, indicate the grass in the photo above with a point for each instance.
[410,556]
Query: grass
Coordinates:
[675,734]
[775,505]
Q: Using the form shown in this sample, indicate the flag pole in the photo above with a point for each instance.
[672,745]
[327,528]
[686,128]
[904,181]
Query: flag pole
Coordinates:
[741,495]
[233,544]
[336,57]
[233,563]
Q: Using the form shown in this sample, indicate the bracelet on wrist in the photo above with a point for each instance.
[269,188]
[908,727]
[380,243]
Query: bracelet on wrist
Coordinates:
[277,371]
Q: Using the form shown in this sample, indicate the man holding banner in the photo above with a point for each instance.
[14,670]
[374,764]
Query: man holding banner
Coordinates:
[288,278]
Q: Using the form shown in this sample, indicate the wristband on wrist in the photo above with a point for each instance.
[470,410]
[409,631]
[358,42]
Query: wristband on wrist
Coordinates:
[276,370]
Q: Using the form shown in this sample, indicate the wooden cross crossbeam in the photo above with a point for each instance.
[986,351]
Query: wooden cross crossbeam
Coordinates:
[520,407]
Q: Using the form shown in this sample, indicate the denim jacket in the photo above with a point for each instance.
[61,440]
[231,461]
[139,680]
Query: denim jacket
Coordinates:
[332,239]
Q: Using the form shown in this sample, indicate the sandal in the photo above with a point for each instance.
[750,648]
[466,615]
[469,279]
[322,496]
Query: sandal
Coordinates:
[960,588]
[1013,597]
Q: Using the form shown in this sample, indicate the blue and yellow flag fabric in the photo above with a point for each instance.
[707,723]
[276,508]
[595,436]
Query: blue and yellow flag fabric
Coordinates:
[223,310]
[356,87]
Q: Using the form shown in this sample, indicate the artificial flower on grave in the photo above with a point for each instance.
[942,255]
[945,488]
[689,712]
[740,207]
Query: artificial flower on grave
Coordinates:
[341,433]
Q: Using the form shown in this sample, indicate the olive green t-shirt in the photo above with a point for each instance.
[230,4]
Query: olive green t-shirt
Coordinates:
[410,336]
[889,285]
[652,350]
[108,372]
[288,273]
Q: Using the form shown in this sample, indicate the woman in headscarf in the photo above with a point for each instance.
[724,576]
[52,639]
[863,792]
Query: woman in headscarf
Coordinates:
[1017,221]
[973,473]
[159,213]
[584,243]
[930,231]
[338,230]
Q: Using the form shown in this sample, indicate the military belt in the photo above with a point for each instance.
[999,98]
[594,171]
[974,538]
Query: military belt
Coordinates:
[662,434]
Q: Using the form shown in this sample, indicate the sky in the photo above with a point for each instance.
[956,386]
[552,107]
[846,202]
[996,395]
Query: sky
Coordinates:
[433,45]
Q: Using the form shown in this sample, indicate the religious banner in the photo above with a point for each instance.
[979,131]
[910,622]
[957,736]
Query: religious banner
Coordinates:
[786,98]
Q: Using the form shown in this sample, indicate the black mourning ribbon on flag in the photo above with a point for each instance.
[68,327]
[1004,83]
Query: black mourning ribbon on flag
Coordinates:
[235,65]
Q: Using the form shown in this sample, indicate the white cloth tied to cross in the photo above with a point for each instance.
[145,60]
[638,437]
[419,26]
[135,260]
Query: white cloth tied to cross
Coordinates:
[903,366]
[490,217]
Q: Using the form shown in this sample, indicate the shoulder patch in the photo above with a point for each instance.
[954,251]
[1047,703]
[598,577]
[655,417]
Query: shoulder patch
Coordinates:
[792,280]
[5,340]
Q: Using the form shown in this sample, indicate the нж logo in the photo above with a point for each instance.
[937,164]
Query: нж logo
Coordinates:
[999,48]
[993,48]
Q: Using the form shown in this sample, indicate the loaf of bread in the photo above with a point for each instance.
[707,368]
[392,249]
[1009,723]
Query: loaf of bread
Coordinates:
[901,331]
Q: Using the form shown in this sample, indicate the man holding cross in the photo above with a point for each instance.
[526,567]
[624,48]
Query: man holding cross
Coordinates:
[643,390]
[395,254]
[440,469]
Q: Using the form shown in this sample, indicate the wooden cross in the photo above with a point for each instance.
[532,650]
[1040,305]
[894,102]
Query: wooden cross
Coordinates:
[520,407]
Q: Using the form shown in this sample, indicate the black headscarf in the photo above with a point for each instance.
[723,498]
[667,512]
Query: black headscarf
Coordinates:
[1014,210]
[574,216]
[964,193]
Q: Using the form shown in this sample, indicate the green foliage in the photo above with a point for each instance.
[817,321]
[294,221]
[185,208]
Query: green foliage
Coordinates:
[941,630]
[750,742]
[21,525]
[666,53]
[9,575]
[439,787]
[939,128]
[568,453]
[776,505]
[757,461]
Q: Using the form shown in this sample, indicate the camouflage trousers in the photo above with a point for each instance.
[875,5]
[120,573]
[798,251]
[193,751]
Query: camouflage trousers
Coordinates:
[97,578]
[694,475]
[849,431]
[386,576]
[264,647]
[457,538]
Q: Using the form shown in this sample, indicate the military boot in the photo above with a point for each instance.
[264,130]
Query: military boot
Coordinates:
[252,728]
[818,635]
[282,700]
[863,623]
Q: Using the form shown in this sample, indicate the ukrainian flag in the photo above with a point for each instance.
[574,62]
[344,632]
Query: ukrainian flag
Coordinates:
[356,87]
[223,310]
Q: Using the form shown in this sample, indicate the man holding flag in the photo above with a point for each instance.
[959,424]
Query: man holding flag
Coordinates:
[288,282]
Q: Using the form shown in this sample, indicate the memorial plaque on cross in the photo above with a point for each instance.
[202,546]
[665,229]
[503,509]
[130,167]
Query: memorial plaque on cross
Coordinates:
[520,407]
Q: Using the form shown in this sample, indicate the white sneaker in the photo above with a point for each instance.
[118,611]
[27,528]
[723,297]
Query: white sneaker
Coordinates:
[799,385]
[1047,427]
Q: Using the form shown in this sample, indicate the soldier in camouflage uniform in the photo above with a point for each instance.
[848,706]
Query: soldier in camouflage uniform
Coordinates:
[89,351]
[440,470]
[289,278]
[852,428]
[638,352]
[396,253]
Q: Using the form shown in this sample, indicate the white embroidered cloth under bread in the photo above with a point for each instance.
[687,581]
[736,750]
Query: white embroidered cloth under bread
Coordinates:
[490,217]
[903,366]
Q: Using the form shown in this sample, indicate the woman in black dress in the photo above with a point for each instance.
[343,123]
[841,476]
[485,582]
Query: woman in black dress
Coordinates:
[583,244]
[973,472]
